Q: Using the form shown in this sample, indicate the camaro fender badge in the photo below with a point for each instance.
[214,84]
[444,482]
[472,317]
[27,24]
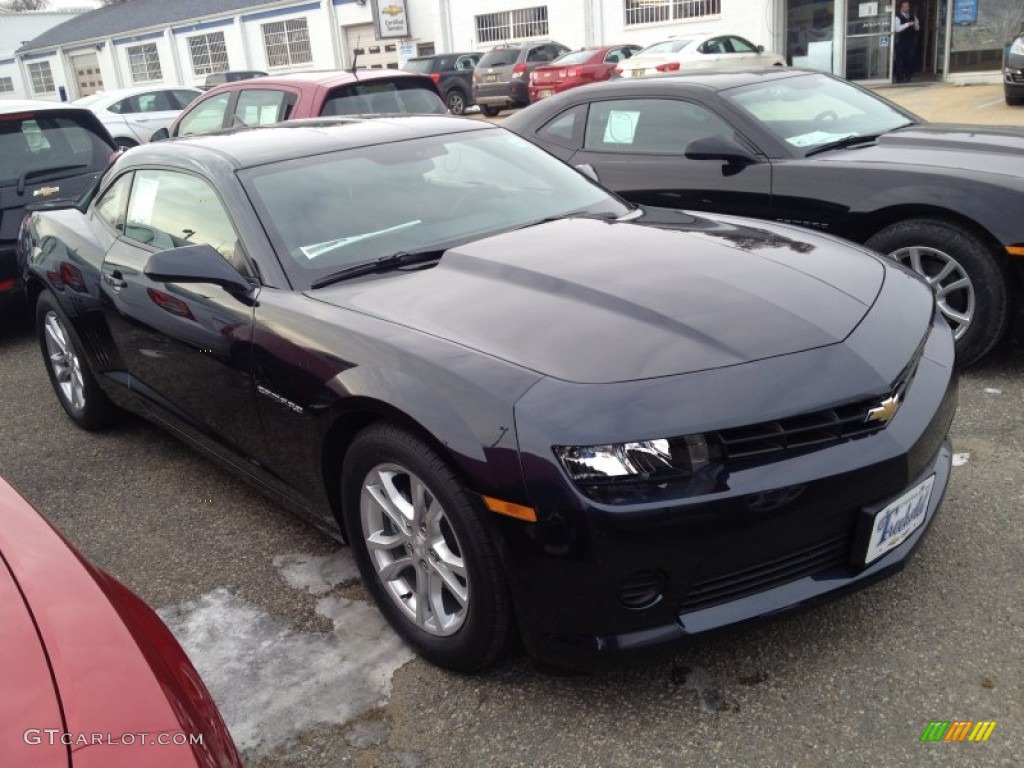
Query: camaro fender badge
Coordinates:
[278,399]
[885,410]
[46,191]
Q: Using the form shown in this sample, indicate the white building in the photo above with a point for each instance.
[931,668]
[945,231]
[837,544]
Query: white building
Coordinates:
[17,29]
[180,42]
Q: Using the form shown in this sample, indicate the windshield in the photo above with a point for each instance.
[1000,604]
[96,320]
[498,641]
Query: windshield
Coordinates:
[576,57]
[669,46]
[501,58]
[33,143]
[813,110]
[328,212]
[419,65]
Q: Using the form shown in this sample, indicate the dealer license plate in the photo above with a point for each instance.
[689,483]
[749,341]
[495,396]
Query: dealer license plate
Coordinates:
[491,78]
[894,524]
[637,72]
[544,94]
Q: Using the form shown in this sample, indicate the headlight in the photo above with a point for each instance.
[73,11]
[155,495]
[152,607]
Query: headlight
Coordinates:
[1018,46]
[607,471]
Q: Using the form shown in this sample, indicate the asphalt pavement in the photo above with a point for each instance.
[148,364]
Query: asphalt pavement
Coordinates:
[273,616]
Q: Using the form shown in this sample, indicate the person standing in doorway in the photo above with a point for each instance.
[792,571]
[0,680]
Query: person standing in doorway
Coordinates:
[905,27]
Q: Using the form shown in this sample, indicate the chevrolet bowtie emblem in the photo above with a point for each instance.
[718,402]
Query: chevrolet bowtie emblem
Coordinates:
[391,10]
[885,410]
[46,191]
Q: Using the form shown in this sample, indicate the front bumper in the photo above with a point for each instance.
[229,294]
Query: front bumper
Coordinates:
[770,537]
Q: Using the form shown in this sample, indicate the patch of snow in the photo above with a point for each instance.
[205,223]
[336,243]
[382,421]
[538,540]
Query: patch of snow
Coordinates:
[317,574]
[271,682]
[959,459]
[993,391]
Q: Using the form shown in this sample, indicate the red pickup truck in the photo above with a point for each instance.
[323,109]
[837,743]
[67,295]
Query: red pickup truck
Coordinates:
[267,100]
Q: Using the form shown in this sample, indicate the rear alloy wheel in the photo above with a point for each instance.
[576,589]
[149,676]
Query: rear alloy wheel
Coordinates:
[490,111]
[423,550]
[76,388]
[970,284]
[456,102]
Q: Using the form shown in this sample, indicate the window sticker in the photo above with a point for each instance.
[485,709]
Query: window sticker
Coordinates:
[319,249]
[621,127]
[143,199]
[816,137]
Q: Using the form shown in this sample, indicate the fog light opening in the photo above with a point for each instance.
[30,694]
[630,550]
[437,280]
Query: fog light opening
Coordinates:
[642,590]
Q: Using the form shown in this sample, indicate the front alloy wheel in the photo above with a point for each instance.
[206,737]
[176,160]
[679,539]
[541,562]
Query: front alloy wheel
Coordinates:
[64,363]
[425,549]
[414,550]
[954,293]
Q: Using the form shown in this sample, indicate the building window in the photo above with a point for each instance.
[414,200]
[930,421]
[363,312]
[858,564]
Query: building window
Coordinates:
[512,25]
[654,11]
[209,53]
[6,84]
[144,62]
[42,78]
[287,42]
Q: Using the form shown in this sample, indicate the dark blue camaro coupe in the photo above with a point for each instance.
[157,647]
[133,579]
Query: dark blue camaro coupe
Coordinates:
[527,406]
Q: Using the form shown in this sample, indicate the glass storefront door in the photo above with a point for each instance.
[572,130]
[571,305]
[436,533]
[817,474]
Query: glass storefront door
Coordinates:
[810,34]
[868,40]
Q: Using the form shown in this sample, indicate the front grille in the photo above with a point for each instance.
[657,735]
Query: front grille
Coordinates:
[814,559]
[828,426]
[1017,77]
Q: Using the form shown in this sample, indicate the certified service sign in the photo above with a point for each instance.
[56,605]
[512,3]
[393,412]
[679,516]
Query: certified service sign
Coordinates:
[390,19]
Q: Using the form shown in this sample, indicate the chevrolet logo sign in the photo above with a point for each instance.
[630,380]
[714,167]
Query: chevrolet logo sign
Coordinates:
[885,410]
[391,10]
[46,191]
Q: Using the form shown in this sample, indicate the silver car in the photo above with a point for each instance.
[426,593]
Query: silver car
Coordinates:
[133,115]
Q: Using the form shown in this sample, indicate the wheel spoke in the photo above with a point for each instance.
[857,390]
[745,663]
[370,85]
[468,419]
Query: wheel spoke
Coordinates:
[383,541]
[384,493]
[394,569]
[420,502]
[455,587]
[957,285]
[53,333]
[949,313]
[915,260]
[423,608]
[946,270]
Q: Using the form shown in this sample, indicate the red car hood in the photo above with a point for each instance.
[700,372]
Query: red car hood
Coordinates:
[115,667]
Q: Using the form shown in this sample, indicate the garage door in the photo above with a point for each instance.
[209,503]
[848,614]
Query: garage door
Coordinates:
[87,73]
[373,54]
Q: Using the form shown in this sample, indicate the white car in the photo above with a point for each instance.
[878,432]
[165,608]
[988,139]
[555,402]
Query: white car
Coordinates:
[698,53]
[133,115]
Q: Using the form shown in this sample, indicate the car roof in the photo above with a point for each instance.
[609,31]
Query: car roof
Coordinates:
[248,147]
[12,106]
[446,55]
[716,81]
[121,93]
[327,78]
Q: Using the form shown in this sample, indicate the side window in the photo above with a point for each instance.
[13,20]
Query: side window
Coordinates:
[206,117]
[120,107]
[157,101]
[538,54]
[262,107]
[565,129]
[659,126]
[465,62]
[169,209]
[717,45]
[110,207]
[616,55]
[739,45]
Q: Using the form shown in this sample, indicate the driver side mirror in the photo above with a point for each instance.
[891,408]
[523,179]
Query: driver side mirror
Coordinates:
[196,264]
[162,135]
[760,49]
[720,148]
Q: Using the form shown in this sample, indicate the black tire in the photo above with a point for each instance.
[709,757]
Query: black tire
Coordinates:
[1014,101]
[124,143]
[988,284]
[490,111]
[486,621]
[94,410]
[456,102]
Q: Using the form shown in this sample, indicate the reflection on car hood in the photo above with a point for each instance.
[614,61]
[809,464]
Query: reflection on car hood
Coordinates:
[990,149]
[596,301]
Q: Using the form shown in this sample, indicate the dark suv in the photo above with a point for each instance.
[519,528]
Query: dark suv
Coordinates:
[1013,72]
[453,73]
[49,152]
[501,80]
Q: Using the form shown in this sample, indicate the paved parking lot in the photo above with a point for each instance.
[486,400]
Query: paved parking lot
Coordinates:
[308,675]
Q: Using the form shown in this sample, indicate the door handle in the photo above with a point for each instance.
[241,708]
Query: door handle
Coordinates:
[115,280]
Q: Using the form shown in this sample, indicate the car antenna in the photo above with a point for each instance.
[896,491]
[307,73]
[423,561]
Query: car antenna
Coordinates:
[355,54]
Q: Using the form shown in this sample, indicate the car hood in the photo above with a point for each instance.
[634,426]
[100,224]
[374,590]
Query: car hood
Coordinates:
[596,301]
[989,149]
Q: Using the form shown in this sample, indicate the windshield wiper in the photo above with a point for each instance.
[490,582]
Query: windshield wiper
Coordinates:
[849,141]
[383,264]
[629,215]
[42,173]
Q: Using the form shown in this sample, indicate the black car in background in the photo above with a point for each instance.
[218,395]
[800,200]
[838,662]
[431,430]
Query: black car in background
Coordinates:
[527,406]
[48,152]
[453,73]
[817,151]
[1013,72]
[501,79]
